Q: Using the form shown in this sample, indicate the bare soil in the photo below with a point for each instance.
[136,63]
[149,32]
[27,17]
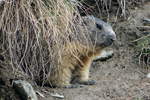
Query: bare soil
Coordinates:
[119,78]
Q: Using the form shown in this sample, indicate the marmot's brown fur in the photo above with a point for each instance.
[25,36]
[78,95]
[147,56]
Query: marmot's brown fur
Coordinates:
[75,68]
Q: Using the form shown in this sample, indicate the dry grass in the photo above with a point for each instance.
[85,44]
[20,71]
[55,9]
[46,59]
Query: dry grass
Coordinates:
[109,8]
[33,34]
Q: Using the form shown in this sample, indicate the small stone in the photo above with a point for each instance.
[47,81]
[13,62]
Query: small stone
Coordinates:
[146,20]
[148,75]
[57,95]
[40,94]
[25,90]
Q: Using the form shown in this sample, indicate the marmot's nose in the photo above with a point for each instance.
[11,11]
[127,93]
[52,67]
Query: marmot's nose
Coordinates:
[112,36]
[110,39]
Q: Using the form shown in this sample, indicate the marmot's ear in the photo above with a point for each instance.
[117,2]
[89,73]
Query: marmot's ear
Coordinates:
[87,20]
[99,26]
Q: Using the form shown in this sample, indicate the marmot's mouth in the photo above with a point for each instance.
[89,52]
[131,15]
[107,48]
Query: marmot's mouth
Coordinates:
[106,43]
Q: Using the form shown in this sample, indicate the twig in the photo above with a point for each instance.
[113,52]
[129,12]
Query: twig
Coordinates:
[140,38]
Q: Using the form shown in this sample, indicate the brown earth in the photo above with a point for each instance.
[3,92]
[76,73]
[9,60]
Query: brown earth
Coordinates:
[119,78]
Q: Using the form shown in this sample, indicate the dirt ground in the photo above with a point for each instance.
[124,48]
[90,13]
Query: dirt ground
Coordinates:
[119,78]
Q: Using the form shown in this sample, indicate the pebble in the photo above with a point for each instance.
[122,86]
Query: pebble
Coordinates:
[148,75]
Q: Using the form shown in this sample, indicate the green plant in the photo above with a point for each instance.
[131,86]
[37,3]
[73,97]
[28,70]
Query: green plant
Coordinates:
[143,50]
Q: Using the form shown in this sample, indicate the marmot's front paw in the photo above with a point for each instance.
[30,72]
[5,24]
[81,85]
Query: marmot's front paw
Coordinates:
[89,82]
[104,56]
[74,86]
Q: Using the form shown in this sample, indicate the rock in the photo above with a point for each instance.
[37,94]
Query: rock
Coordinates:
[25,90]
[146,21]
[1,2]
[148,75]
[56,95]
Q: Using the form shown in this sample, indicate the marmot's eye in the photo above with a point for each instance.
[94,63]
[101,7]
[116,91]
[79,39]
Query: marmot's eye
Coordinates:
[99,26]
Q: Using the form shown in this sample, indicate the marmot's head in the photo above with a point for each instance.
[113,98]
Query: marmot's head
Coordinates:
[100,32]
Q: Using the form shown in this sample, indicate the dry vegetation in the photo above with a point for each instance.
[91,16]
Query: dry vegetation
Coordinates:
[33,32]
[107,8]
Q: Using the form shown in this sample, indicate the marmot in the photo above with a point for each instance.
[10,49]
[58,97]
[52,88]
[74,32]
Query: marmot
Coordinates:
[75,69]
